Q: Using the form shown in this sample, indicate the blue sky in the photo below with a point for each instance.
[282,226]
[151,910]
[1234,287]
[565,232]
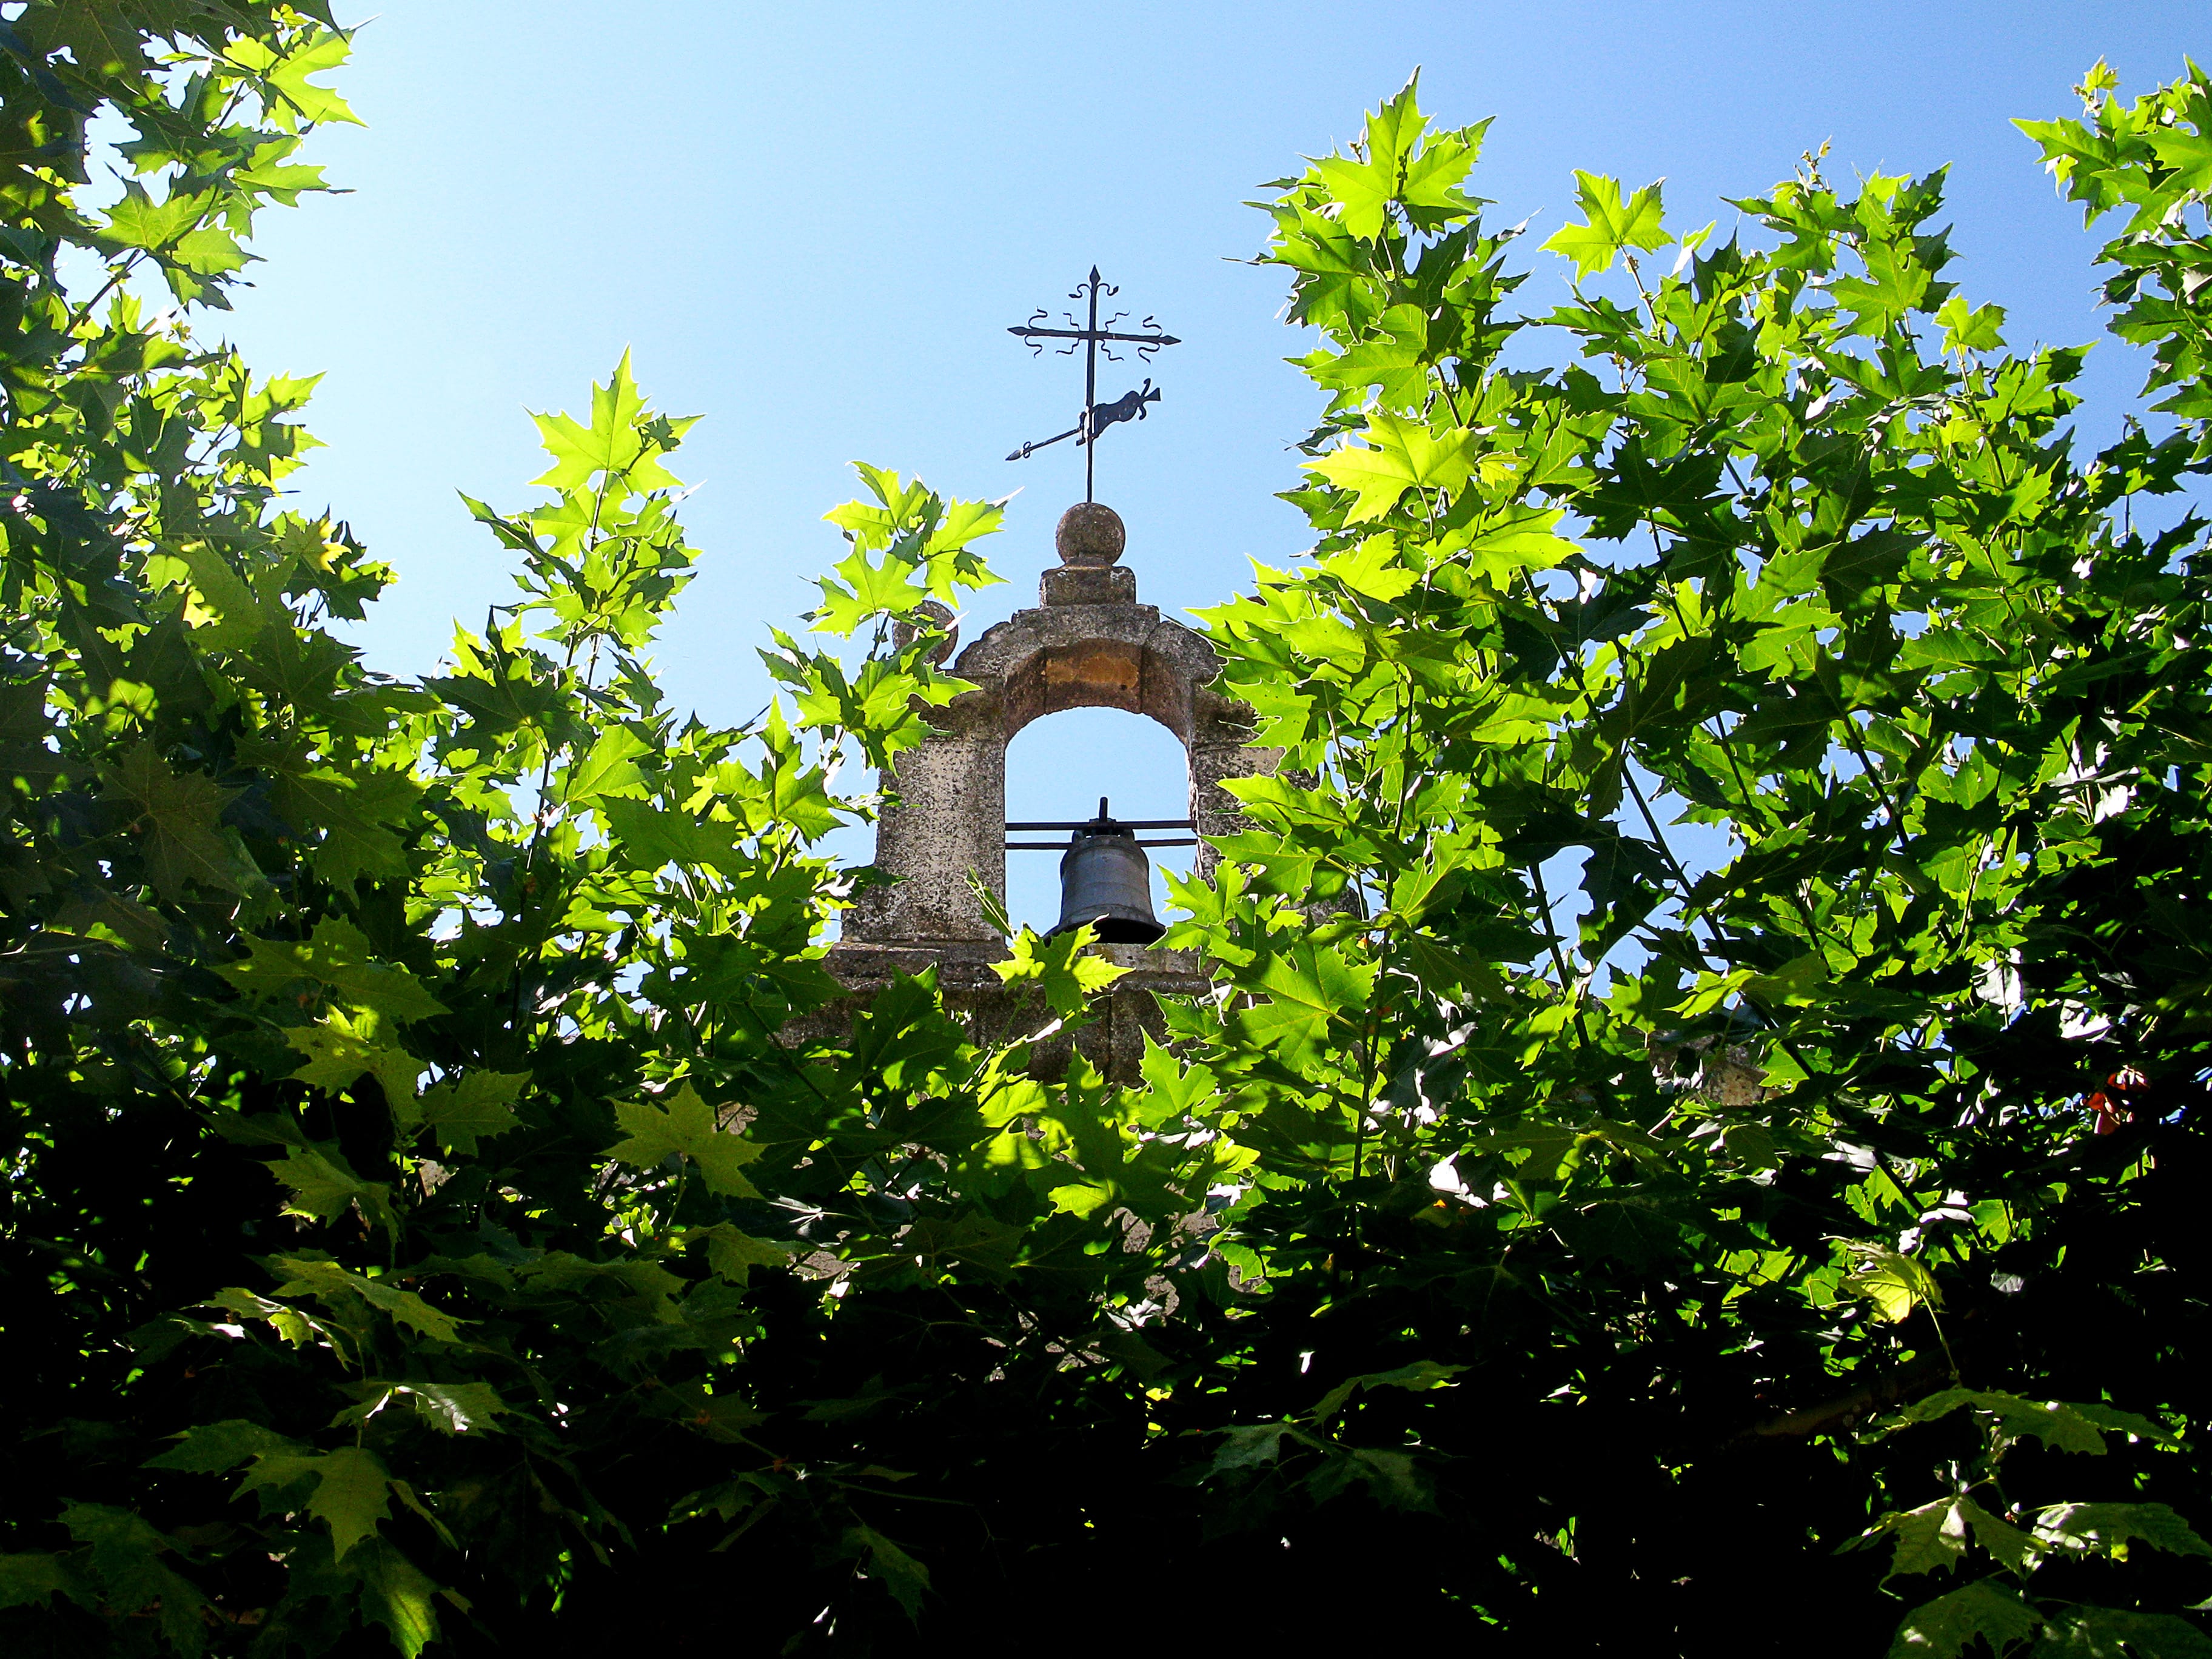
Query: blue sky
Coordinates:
[812,224]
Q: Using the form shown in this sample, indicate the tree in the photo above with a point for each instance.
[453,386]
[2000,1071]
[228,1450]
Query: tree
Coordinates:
[1901,1090]
[425,1227]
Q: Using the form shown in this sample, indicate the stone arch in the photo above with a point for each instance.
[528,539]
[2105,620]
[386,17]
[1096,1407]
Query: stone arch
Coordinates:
[1059,765]
[1089,645]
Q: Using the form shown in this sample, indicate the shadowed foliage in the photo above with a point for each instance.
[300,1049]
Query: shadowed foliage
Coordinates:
[419,1235]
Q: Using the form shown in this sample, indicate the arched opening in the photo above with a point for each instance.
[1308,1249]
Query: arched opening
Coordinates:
[1058,766]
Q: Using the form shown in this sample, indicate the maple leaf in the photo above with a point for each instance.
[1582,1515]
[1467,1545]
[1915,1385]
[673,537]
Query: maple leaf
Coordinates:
[906,1578]
[1947,1625]
[608,769]
[353,1494]
[132,924]
[1058,968]
[1893,1282]
[396,1594]
[101,39]
[323,1188]
[339,957]
[1517,539]
[448,1407]
[1390,170]
[180,813]
[318,1276]
[732,1255]
[25,727]
[685,1127]
[1405,453]
[223,613]
[475,1108]
[1613,224]
[299,101]
[868,590]
[617,443]
[340,1049]
[213,1448]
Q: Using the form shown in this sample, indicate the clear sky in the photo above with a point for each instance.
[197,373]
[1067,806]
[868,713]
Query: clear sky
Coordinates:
[813,224]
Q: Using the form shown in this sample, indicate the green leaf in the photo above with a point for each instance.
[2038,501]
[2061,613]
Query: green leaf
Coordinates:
[653,837]
[868,591]
[28,1580]
[2109,1528]
[2189,155]
[177,813]
[351,1495]
[2015,1548]
[1374,568]
[1943,1628]
[1319,980]
[476,1106]
[1393,1478]
[1945,649]
[2128,1423]
[1365,186]
[1966,330]
[225,613]
[1402,453]
[448,1407]
[357,810]
[1059,968]
[1633,1229]
[1441,969]
[1613,224]
[340,1050]
[733,1255]
[1395,166]
[904,1578]
[137,220]
[323,1188]
[1249,1446]
[2079,1632]
[2060,1426]
[126,1554]
[620,444]
[1895,1283]
[396,1594]
[685,1127]
[1929,1539]
[338,956]
[208,251]
[216,1447]
[129,924]
[1856,568]
[102,40]
[305,1274]
[1420,1377]
[1517,538]
[302,103]
[1934,1537]
[608,770]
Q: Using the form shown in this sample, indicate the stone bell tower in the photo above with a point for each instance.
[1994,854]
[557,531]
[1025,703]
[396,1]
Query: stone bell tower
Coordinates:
[1088,644]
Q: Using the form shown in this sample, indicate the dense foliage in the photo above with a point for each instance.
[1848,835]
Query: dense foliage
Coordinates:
[422,1226]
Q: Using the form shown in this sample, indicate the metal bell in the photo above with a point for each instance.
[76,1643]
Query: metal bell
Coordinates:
[1106,880]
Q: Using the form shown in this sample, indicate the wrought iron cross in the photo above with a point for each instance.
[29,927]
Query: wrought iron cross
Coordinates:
[1096,417]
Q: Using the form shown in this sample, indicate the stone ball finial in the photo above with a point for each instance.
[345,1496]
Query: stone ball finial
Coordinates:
[934,617]
[1089,532]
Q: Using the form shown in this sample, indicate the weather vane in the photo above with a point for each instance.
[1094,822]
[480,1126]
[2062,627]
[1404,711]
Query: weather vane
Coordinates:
[1096,416]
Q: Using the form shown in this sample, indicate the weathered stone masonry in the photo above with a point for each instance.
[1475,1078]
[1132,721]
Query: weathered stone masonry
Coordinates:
[1088,645]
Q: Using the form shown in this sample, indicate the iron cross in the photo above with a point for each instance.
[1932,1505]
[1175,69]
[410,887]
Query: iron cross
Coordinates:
[1096,417]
